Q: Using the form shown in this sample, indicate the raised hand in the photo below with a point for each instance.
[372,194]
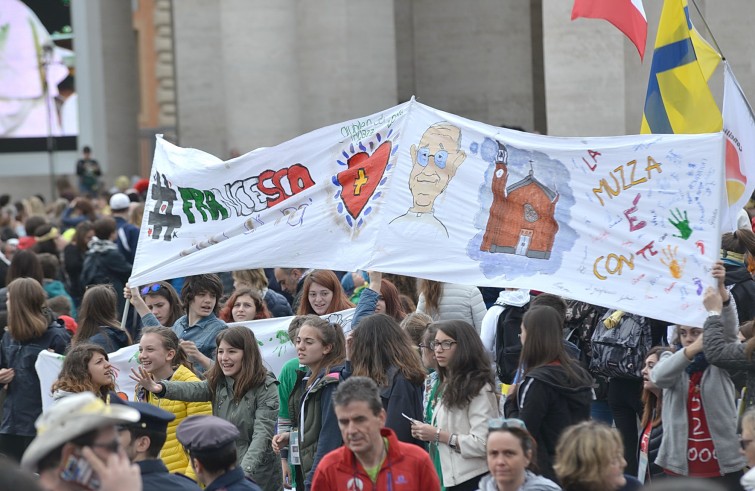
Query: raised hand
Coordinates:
[144,379]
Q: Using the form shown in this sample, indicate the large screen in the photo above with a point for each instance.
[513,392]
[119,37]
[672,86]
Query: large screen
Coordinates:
[38,96]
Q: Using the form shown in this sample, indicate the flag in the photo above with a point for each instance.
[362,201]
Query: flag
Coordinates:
[678,98]
[627,15]
[739,128]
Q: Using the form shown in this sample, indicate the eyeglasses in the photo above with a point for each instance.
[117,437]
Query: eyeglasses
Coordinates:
[744,443]
[444,345]
[111,447]
[440,157]
[151,288]
[500,423]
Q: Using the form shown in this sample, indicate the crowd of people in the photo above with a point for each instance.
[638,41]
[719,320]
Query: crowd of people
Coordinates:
[431,387]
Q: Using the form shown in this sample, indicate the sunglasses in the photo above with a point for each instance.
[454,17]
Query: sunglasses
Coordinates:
[501,423]
[151,288]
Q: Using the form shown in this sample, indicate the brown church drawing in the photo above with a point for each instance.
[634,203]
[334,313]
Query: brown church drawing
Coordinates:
[521,219]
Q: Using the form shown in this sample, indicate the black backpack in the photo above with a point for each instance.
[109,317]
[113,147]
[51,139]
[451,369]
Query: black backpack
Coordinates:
[508,346]
[620,351]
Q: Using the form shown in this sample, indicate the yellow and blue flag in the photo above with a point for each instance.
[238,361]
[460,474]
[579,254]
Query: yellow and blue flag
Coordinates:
[678,98]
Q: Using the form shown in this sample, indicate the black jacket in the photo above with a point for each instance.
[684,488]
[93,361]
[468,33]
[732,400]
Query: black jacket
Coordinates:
[742,289]
[110,338]
[548,402]
[155,477]
[23,401]
[402,397]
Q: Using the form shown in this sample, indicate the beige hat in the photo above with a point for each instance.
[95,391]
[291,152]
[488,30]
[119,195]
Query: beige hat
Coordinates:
[71,417]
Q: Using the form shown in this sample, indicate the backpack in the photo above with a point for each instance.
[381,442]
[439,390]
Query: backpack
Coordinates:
[579,325]
[508,346]
[94,271]
[620,351]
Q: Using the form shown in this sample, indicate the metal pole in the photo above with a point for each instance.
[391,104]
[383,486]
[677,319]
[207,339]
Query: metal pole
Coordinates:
[47,50]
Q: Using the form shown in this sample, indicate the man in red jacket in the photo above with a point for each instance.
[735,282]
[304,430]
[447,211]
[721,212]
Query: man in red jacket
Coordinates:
[371,457]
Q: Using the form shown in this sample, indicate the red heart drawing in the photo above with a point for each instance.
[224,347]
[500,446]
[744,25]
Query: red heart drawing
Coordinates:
[362,177]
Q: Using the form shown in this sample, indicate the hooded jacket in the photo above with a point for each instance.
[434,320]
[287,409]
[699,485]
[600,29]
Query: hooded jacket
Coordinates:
[548,402]
[532,482]
[718,400]
[110,338]
[254,415]
[23,397]
[742,288]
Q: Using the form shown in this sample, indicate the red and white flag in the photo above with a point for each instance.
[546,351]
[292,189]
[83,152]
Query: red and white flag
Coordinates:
[627,15]
[739,128]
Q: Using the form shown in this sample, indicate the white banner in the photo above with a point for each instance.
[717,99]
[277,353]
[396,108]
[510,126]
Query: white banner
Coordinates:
[271,334]
[629,222]
[739,128]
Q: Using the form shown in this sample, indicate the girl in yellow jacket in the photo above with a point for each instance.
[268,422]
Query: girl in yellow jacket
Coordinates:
[163,358]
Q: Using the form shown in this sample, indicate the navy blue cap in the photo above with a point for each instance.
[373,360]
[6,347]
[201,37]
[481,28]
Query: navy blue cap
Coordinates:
[206,433]
[152,417]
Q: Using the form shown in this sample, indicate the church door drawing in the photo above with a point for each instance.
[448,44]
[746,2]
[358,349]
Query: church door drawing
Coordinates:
[525,237]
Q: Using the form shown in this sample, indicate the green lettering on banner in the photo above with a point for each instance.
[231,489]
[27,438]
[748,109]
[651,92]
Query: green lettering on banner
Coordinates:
[204,202]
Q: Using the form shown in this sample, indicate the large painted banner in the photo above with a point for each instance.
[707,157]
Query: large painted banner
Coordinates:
[271,334]
[629,222]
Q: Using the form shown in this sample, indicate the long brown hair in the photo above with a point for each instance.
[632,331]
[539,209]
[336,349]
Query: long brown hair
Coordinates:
[544,345]
[378,344]
[169,341]
[74,376]
[651,403]
[28,315]
[170,294]
[329,280]
[415,325]
[252,373]
[392,301]
[260,308]
[330,335]
[431,291]
[468,371]
[98,309]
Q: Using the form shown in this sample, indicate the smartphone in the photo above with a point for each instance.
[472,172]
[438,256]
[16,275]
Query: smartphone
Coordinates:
[79,471]
[411,420]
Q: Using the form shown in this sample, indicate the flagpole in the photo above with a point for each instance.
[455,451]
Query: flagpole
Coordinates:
[707,28]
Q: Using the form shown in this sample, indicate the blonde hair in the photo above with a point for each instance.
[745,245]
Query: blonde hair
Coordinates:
[255,278]
[583,453]
[748,419]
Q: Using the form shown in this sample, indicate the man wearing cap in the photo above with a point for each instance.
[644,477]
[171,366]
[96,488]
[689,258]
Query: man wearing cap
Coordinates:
[77,447]
[143,441]
[127,233]
[211,443]
[372,457]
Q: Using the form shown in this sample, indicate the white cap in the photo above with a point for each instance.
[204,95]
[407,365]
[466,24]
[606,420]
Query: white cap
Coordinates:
[119,201]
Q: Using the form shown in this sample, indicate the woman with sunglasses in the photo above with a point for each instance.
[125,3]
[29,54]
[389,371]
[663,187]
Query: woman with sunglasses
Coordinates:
[463,404]
[511,459]
[555,391]
[158,304]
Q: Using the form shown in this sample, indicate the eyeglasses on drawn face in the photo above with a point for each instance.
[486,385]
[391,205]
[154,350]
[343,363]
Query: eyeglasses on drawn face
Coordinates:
[443,345]
[440,157]
[151,288]
[501,423]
